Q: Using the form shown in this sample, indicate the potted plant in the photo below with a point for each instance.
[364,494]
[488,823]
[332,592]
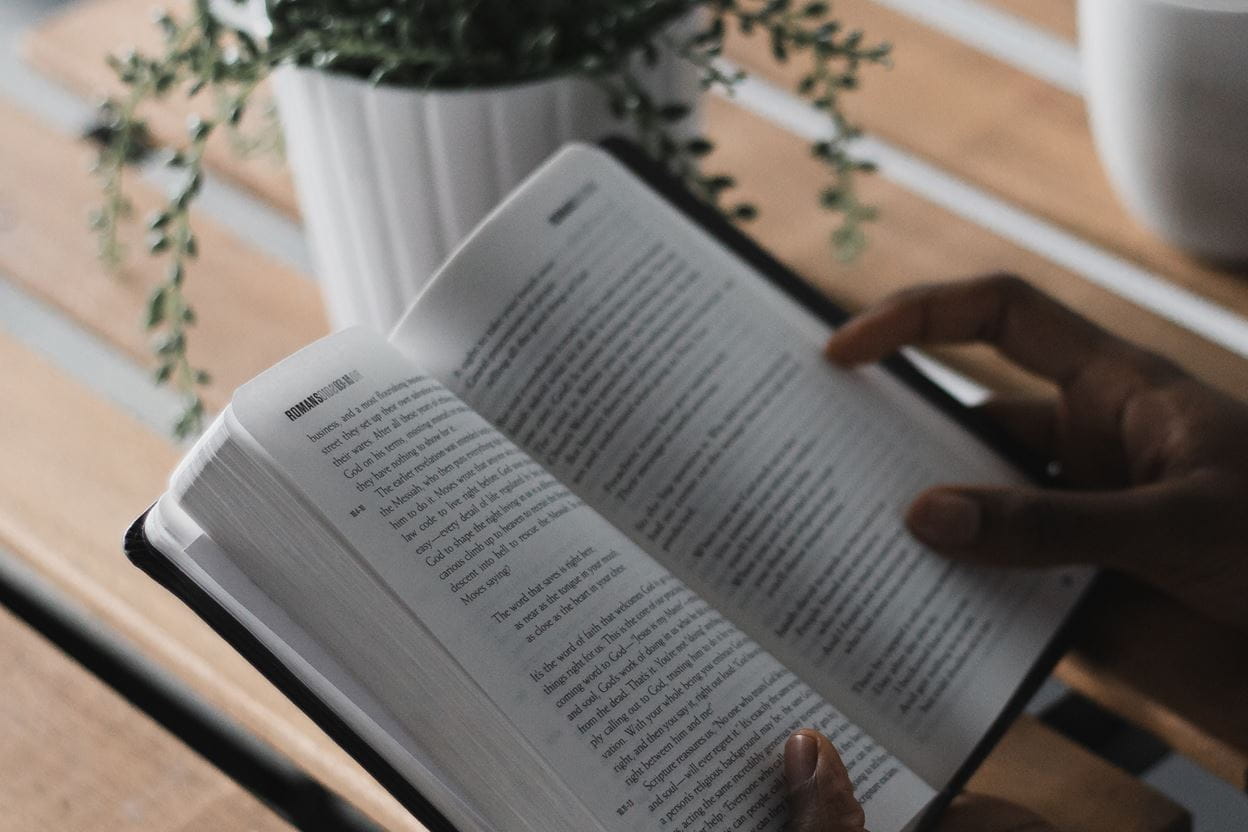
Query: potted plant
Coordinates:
[391,108]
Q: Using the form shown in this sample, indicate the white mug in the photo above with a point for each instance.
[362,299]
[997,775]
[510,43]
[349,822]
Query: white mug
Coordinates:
[1166,85]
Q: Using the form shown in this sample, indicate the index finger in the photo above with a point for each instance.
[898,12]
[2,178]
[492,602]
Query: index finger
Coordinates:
[1026,325]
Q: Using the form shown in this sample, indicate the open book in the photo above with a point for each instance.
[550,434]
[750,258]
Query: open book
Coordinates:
[596,528]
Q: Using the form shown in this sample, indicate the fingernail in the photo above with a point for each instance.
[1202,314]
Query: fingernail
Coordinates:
[801,756]
[945,520]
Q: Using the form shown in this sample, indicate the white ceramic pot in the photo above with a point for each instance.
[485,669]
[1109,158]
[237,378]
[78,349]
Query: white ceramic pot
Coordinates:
[1166,83]
[390,179]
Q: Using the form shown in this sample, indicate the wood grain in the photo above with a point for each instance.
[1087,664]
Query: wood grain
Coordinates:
[1071,788]
[1195,671]
[51,440]
[1001,129]
[78,757]
[1059,17]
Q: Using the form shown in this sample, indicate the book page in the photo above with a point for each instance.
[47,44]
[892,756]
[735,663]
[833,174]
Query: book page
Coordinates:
[682,396]
[653,708]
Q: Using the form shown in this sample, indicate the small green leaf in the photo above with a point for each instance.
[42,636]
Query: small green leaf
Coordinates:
[187,425]
[171,344]
[699,146]
[155,308]
[848,242]
[779,45]
[247,43]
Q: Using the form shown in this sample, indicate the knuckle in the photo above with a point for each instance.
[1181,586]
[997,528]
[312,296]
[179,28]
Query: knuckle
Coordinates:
[1156,368]
[1006,284]
[1143,366]
[912,294]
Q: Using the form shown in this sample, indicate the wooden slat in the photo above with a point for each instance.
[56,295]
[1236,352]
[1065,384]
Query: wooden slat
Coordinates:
[78,757]
[1071,788]
[1057,16]
[52,435]
[1008,132]
[76,472]
[1195,671]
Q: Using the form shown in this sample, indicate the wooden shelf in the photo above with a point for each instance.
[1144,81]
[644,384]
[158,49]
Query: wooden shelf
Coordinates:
[79,757]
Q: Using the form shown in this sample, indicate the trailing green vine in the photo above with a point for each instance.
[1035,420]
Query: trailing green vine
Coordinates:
[455,44]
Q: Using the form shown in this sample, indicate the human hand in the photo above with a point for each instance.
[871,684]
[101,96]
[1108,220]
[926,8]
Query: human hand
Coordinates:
[821,796]
[1157,461]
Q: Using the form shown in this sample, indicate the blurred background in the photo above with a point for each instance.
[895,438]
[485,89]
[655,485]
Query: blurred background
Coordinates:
[1117,183]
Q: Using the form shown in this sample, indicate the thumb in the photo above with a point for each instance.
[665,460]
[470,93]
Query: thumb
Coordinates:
[1127,529]
[821,796]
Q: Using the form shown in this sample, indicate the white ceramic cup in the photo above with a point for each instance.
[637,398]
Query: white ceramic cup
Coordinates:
[1166,84]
